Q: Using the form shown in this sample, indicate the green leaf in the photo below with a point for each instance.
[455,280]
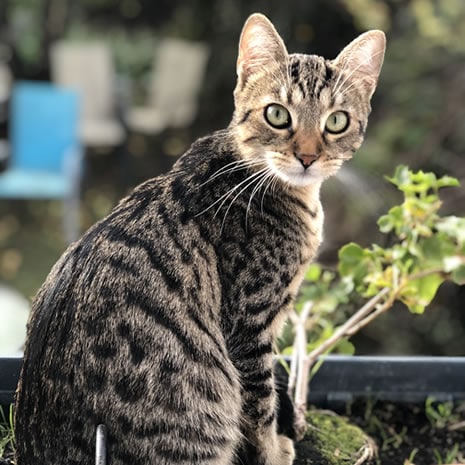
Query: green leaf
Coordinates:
[354,263]
[453,226]
[345,347]
[350,256]
[421,292]
[458,275]
[287,351]
[452,262]
[313,272]
[436,249]
[447,181]
[401,176]
[327,304]
[394,219]
[385,224]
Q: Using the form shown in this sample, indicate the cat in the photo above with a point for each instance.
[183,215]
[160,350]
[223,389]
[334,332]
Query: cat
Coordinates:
[160,321]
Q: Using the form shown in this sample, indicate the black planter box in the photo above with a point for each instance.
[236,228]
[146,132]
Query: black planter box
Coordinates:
[9,374]
[342,379]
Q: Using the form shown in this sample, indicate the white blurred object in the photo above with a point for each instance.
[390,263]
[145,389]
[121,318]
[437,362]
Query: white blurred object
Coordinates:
[88,68]
[5,82]
[14,312]
[178,73]
[4,152]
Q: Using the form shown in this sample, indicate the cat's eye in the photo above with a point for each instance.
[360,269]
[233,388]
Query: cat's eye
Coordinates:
[337,122]
[277,116]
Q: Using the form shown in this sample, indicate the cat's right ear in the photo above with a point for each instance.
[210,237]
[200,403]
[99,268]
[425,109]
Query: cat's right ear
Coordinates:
[362,59]
[259,45]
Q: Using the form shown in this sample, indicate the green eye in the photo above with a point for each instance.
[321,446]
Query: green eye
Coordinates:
[337,122]
[277,116]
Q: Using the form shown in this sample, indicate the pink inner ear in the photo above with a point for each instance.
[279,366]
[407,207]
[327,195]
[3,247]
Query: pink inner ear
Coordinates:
[364,55]
[259,44]
[252,45]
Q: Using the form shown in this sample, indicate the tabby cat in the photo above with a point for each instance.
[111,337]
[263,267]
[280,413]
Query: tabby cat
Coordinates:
[160,321]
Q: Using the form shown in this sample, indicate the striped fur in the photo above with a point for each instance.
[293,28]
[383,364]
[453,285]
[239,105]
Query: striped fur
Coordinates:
[160,321]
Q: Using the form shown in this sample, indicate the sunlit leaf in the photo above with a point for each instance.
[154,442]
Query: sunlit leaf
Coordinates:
[447,181]
[287,351]
[452,263]
[458,275]
[453,226]
[421,292]
[401,176]
[351,262]
[313,272]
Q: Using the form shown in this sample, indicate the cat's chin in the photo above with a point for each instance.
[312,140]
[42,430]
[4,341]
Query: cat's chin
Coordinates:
[298,177]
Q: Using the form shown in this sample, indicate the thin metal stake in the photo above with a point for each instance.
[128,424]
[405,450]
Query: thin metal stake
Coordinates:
[101,445]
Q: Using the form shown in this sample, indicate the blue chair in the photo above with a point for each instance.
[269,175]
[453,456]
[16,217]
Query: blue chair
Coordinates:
[46,156]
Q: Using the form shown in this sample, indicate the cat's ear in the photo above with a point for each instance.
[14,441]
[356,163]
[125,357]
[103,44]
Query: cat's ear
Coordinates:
[362,59]
[259,45]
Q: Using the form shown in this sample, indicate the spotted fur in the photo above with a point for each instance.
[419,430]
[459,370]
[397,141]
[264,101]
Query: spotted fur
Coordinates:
[160,321]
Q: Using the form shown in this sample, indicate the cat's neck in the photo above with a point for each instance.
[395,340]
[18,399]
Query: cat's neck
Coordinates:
[215,165]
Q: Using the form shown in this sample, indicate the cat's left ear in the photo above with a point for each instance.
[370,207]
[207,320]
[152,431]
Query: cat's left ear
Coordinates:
[362,59]
[259,45]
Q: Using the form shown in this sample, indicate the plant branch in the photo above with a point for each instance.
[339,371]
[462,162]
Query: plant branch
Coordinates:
[370,317]
[294,319]
[301,346]
[353,320]
[367,313]
[301,370]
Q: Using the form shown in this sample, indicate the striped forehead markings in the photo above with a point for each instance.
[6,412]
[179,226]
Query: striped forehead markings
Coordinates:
[313,78]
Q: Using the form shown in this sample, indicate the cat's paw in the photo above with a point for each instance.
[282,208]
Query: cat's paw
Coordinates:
[287,451]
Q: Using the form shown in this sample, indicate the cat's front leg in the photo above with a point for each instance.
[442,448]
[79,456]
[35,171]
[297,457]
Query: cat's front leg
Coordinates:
[260,410]
[272,448]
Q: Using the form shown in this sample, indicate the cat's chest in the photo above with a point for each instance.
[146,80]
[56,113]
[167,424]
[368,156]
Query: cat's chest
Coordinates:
[266,258]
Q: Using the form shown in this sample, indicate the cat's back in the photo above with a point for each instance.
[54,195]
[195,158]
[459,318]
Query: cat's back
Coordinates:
[128,307]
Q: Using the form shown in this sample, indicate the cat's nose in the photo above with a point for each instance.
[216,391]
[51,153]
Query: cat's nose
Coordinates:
[305,159]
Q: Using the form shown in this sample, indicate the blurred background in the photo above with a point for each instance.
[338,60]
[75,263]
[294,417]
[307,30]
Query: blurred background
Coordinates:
[154,76]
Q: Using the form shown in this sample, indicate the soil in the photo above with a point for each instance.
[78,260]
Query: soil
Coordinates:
[404,434]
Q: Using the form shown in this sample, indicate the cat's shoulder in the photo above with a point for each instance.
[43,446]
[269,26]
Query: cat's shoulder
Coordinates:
[215,145]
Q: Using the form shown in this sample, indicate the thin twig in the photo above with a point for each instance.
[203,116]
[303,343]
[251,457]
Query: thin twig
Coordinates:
[456,426]
[373,315]
[354,319]
[294,318]
[301,384]
[301,337]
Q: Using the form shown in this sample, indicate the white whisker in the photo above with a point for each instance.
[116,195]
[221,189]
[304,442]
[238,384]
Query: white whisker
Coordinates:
[227,194]
[233,166]
[364,62]
[260,183]
[341,72]
[251,180]
[343,92]
[272,179]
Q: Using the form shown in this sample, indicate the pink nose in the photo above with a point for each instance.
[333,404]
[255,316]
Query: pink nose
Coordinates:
[306,160]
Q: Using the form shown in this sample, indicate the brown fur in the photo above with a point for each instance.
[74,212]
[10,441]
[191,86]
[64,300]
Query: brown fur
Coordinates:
[160,321]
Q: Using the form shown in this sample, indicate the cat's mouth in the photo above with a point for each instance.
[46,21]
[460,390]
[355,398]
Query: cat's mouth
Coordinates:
[302,169]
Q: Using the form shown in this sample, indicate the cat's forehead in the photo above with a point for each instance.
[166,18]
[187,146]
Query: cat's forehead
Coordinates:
[305,87]
[302,65]
[310,73]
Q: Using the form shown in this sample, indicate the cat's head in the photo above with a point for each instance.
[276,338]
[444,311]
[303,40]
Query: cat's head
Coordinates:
[299,115]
